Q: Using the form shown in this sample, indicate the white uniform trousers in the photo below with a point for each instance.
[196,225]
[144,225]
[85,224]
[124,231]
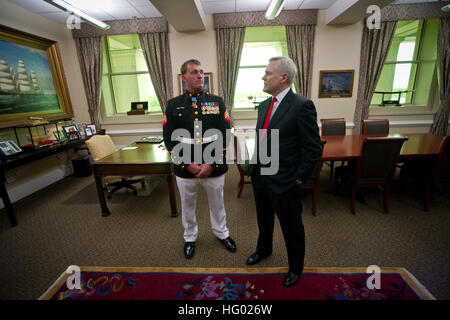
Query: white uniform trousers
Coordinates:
[188,189]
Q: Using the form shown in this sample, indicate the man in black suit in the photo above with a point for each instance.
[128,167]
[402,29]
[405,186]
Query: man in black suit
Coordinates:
[299,148]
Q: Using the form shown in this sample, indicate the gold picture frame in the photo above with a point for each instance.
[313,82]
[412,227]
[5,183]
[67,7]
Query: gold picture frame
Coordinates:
[336,83]
[42,54]
[207,84]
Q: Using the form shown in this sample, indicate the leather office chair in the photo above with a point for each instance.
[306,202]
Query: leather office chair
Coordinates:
[375,126]
[242,173]
[441,171]
[101,146]
[313,182]
[375,167]
[332,127]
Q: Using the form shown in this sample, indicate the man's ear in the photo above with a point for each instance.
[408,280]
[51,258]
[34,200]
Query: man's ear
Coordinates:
[284,78]
[183,77]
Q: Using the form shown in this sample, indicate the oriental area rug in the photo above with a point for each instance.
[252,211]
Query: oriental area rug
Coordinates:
[129,283]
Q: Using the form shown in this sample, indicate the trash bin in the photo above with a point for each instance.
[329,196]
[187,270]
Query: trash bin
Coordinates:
[82,164]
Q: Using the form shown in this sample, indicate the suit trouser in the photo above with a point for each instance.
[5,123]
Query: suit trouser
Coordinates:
[213,187]
[288,207]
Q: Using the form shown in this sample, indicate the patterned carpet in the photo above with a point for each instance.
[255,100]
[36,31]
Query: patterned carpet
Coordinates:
[107,283]
[58,227]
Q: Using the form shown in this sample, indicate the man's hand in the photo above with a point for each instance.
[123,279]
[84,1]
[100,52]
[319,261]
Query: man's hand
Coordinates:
[193,168]
[205,171]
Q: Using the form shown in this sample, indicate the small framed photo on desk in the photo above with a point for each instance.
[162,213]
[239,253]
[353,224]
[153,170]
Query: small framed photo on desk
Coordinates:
[88,132]
[92,127]
[71,132]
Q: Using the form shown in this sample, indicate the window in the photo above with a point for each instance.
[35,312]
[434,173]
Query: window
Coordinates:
[260,44]
[125,76]
[410,64]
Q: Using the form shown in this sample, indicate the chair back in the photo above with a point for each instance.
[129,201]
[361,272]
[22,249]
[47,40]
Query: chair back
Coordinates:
[315,175]
[100,146]
[376,126]
[333,127]
[442,168]
[379,157]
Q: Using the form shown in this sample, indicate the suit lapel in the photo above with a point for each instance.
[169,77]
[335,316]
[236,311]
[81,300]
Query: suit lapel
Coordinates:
[262,112]
[284,106]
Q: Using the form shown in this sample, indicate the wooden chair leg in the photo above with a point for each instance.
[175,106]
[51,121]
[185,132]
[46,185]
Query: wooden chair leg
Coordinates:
[240,190]
[331,169]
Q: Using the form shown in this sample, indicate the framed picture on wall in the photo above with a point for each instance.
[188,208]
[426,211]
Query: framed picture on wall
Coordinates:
[336,83]
[32,79]
[207,84]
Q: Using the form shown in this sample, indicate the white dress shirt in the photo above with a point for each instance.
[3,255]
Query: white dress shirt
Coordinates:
[280,98]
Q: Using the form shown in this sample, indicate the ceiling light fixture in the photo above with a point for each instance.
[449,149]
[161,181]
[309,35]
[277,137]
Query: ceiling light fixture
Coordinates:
[71,9]
[274,9]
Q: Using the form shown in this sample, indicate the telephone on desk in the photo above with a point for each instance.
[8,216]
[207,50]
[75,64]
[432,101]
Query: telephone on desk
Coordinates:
[8,148]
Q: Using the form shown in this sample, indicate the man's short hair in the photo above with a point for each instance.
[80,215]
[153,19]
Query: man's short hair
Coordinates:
[185,64]
[286,65]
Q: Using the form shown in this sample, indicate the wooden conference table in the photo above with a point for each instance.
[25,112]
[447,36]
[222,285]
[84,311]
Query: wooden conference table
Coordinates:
[146,159]
[349,146]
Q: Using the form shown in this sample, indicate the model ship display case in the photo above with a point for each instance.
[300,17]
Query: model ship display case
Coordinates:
[36,136]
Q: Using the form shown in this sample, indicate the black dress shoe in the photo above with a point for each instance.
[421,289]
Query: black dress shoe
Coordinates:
[290,279]
[189,249]
[255,258]
[229,244]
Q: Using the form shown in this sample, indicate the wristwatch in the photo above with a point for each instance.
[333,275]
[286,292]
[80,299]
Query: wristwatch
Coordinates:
[299,182]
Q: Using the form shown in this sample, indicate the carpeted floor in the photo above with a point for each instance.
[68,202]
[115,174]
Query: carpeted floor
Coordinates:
[61,225]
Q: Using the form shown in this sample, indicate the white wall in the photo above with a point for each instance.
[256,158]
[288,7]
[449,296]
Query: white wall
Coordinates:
[336,47]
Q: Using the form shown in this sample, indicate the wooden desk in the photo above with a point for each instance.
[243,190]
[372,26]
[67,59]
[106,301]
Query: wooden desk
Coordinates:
[147,159]
[25,157]
[349,146]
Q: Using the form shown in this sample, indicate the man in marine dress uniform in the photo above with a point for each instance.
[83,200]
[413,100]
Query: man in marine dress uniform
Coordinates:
[197,111]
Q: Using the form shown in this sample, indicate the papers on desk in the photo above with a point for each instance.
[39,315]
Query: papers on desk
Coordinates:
[129,148]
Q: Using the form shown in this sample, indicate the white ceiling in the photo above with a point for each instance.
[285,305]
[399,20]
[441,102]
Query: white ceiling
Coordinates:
[128,9]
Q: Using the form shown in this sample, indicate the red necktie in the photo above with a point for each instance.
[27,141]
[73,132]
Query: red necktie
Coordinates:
[269,113]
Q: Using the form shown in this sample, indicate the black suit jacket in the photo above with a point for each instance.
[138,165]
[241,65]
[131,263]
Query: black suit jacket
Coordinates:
[299,142]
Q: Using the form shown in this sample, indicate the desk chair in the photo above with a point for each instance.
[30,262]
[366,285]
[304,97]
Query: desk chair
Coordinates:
[101,146]
[242,173]
[375,127]
[332,127]
[313,182]
[375,167]
[441,171]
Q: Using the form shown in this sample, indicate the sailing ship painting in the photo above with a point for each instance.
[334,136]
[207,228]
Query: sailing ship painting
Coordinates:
[26,83]
[336,83]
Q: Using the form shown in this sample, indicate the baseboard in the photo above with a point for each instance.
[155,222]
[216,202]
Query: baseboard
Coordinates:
[30,187]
